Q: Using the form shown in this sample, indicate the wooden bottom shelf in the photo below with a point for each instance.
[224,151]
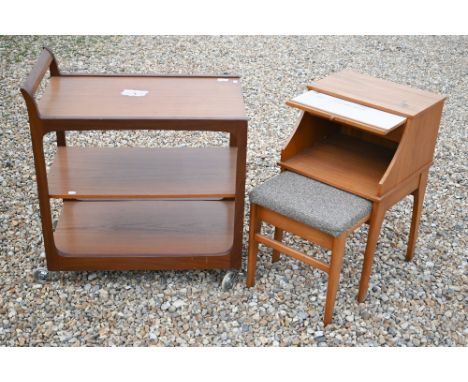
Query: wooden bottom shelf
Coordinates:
[97,229]
[344,162]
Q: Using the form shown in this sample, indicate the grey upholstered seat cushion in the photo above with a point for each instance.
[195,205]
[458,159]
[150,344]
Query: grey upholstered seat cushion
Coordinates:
[308,201]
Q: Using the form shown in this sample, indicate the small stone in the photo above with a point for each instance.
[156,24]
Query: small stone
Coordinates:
[392,331]
[103,294]
[302,315]
[166,305]
[178,303]
[365,315]
[320,339]
[350,318]
[92,276]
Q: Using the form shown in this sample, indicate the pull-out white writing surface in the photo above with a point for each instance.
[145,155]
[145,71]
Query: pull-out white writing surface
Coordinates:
[350,110]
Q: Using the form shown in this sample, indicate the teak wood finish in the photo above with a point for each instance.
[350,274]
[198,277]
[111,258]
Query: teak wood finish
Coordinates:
[161,229]
[383,168]
[110,234]
[136,172]
[96,97]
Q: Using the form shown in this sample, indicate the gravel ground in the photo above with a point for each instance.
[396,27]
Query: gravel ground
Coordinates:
[422,303]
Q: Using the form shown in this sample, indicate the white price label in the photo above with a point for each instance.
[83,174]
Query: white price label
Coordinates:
[134,93]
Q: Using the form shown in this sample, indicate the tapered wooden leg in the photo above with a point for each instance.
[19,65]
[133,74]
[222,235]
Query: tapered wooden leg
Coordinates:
[376,221]
[337,255]
[253,246]
[417,209]
[278,237]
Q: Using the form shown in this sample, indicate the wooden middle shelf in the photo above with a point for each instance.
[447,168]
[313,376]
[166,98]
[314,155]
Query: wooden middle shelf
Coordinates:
[126,173]
[345,162]
[145,228]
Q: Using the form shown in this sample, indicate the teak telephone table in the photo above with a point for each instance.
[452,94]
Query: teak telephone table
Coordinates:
[139,208]
[370,137]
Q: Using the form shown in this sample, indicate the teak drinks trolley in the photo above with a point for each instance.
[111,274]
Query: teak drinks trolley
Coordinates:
[382,165]
[139,208]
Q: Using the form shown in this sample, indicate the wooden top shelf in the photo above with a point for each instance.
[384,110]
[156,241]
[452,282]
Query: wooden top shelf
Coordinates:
[375,92]
[130,172]
[344,162]
[100,97]
[145,228]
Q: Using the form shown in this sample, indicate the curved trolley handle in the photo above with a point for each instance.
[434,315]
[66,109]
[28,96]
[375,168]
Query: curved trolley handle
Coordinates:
[46,61]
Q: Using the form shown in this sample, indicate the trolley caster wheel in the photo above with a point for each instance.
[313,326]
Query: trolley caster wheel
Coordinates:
[41,275]
[229,280]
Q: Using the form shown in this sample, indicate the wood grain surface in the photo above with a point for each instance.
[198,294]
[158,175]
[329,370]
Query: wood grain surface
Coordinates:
[135,172]
[145,228]
[344,162]
[375,92]
[95,97]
